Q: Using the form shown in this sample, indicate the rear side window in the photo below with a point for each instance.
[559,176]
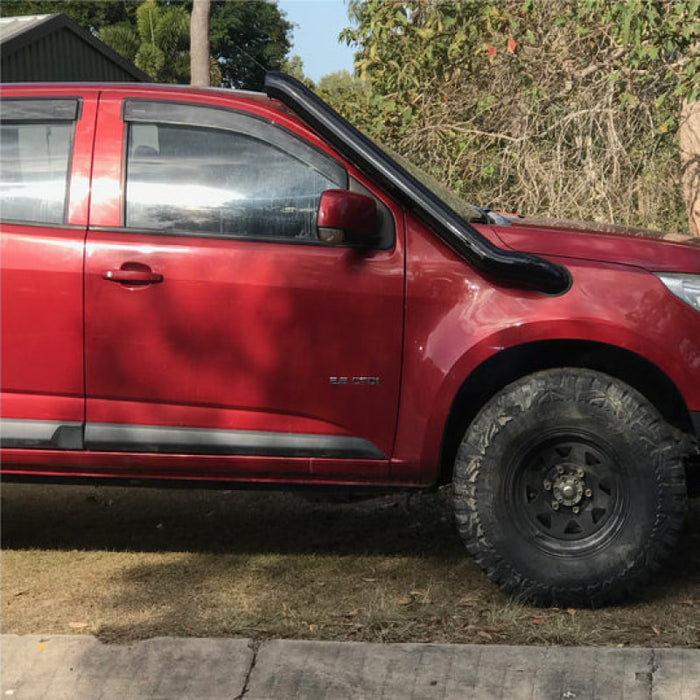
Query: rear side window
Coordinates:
[222,173]
[36,143]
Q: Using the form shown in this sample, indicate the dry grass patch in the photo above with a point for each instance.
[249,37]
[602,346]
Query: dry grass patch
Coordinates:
[134,563]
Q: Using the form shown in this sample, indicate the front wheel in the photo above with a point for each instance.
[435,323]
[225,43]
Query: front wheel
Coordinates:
[569,488]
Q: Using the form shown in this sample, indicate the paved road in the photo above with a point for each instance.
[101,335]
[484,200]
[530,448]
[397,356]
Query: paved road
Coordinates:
[78,667]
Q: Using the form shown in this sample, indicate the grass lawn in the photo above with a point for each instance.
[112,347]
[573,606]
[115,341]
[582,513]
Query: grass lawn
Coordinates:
[126,564]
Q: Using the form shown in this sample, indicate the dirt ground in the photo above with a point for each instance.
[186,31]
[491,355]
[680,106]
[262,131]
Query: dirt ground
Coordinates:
[126,564]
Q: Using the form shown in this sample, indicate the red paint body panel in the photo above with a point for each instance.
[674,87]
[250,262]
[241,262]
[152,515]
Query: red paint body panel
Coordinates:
[647,253]
[248,335]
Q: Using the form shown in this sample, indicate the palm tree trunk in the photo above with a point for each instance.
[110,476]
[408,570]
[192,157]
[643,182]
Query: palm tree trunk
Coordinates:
[199,43]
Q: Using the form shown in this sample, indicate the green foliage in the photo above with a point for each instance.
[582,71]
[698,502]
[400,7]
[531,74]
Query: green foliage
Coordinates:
[658,37]
[148,18]
[248,39]
[340,85]
[150,59]
[536,106]
[157,43]
[89,14]
[351,97]
[121,35]
[406,44]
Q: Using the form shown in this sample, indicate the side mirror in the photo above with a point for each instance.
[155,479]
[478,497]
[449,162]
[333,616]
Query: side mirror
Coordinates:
[347,217]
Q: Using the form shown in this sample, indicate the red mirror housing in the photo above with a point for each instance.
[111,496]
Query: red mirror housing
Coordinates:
[347,217]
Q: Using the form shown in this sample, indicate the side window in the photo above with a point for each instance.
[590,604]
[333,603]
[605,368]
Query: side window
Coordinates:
[34,168]
[247,179]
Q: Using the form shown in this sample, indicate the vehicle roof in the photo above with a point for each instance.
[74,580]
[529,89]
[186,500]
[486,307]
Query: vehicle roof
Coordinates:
[157,88]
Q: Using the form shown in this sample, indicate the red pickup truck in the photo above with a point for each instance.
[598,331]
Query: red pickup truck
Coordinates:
[215,287]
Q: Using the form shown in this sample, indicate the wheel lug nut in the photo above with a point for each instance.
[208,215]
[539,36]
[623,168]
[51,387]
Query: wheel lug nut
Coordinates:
[588,493]
[576,509]
[555,505]
[579,473]
[547,485]
[560,469]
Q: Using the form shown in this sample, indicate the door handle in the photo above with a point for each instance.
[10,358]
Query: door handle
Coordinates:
[140,276]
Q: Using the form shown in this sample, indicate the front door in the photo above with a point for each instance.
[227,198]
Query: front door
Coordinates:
[217,323]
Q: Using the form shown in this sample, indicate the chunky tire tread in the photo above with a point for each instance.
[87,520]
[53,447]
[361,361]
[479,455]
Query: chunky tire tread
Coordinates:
[611,402]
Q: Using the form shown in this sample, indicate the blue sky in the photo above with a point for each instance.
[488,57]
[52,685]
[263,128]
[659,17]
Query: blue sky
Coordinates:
[316,35]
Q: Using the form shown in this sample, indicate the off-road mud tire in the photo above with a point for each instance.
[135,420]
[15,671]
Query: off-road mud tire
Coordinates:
[569,489]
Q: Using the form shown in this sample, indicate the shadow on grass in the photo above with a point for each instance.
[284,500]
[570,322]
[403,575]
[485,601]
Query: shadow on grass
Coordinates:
[154,520]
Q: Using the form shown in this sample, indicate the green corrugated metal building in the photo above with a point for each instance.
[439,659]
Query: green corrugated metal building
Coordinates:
[55,48]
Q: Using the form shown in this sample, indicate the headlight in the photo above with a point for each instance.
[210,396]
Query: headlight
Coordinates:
[685,287]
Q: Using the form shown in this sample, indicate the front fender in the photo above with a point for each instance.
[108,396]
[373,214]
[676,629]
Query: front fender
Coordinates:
[468,322]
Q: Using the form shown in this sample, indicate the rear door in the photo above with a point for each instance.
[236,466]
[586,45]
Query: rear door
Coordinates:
[44,183]
[217,323]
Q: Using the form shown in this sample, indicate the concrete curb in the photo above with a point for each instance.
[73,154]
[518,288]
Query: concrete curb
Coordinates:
[81,667]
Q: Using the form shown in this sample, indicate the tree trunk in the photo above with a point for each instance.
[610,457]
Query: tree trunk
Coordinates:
[199,43]
[689,132]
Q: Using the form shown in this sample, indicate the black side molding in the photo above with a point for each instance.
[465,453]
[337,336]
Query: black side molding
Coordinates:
[40,434]
[522,269]
[122,437]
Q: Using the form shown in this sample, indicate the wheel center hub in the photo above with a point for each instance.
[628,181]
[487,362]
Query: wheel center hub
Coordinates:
[567,489]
